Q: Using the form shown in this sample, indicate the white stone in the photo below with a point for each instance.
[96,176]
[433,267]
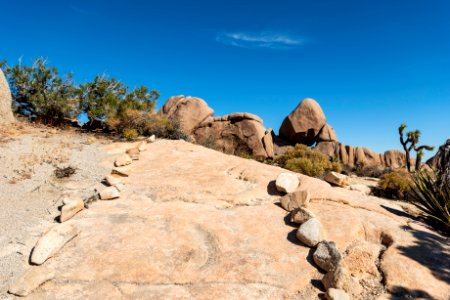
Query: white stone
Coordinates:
[52,241]
[151,139]
[336,294]
[311,232]
[30,280]
[109,193]
[71,208]
[287,183]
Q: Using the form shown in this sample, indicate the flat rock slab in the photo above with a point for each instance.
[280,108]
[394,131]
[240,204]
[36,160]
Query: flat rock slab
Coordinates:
[52,241]
[198,224]
[30,280]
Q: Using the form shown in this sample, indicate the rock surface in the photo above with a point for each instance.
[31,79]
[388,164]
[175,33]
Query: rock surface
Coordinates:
[109,193]
[52,241]
[311,232]
[327,256]
[196,223]
[327,134]
[189,111]
[6,115]
[133,153]
[336,179]
[287,182]
[303,125]
[30,280]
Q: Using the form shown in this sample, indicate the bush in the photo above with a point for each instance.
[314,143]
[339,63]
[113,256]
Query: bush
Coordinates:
[40,93]
[432,200]
[395,184]
[307,161]
[130,134]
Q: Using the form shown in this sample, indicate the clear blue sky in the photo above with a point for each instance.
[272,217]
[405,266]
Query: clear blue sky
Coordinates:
[370,64]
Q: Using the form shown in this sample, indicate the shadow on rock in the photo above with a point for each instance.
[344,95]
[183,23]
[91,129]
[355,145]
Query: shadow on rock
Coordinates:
[399,292]
[272,189]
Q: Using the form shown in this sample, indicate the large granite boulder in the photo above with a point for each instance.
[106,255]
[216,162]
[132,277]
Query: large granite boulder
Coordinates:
[6,115]
[327,134]
[189,111]
[238,134]
[304,123]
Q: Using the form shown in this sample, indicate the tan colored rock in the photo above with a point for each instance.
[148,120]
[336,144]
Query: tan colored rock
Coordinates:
[30,280]
[151,139]
[189,111]
[340,278]
[123,160]
[330,149]
[109,193]
[395,159]
[311,233]
[268,143]
[336,179]
[297,199]
[133,153]
[119,186]
[71,208]
[6,115]
[336,294]
[327,134]
[304,123]
[287,183]
[361,259]
[371,158]
[52,241]
[301,215]
[112,180]
[122,171]
[142,146]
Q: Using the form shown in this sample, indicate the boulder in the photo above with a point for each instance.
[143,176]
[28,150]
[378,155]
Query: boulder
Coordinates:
[109,193]
[6,115]
[327,256]
[52,241]
[336,294]
[123,160]
[311,232]
[189,111]
[330,149]
[287,182]
[268,143]
[238,136]
[71,207]
[297,199]
[112,180]
[336,179]
[304,123]
[30,280]
[301,215]
[327,134]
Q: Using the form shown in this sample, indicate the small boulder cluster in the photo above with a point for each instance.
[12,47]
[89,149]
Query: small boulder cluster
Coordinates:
[312,234]
[51,242]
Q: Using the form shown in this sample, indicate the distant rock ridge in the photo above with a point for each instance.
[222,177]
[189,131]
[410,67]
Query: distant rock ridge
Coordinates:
[6,115]
[243,133]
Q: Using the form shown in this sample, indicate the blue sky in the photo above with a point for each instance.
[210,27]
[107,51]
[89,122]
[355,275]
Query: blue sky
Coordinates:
[370,64]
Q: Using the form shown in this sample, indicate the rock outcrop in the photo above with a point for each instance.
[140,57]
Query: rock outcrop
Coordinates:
[189,111]
[327,134]
[304,123]
[6,115]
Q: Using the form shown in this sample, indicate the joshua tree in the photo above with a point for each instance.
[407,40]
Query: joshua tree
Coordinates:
[412,139]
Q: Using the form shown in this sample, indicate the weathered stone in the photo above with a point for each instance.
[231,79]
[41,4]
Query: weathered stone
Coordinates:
[109,193]
[336,294]
[52,241]
[301,215]
[287,182]
[142,146]
[336,179]
[71,208]
[30,280]
[327,134]
[133,153]
[362,188]
[189,111]
[304,123]
[123,160]
[6,115]
[297,199]
[112,180]
[268,143]
[151,139]
[122,171]
[361,259]
[339,278]
[311,232]
[330,149]
[327,256]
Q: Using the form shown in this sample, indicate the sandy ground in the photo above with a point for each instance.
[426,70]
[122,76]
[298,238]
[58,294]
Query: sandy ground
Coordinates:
[30,193]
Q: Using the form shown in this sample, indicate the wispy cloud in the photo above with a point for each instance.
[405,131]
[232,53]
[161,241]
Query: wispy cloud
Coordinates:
[267,40]
[83,11]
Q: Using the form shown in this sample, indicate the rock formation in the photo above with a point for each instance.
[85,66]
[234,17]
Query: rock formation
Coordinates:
[189,111]
[327,134]
[6,115]
[303,124]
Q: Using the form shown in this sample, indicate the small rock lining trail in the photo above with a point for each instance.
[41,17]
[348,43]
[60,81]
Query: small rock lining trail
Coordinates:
[193,223]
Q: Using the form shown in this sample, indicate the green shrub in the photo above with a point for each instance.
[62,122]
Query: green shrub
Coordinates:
[307,161]
[130,134]
[395,184]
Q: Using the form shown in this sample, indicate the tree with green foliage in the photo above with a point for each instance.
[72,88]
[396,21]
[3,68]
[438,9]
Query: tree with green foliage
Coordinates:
[409,144]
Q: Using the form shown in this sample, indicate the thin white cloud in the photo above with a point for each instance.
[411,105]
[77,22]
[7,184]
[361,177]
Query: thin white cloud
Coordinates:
[267,40]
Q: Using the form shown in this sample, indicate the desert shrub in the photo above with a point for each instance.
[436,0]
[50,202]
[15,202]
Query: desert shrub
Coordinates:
[432,197]
[130,134]
[164,127]
[39,92]
[395,184]
[307,161]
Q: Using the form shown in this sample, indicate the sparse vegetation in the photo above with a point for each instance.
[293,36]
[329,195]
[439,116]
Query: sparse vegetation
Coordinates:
[304,160]
[395,184]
